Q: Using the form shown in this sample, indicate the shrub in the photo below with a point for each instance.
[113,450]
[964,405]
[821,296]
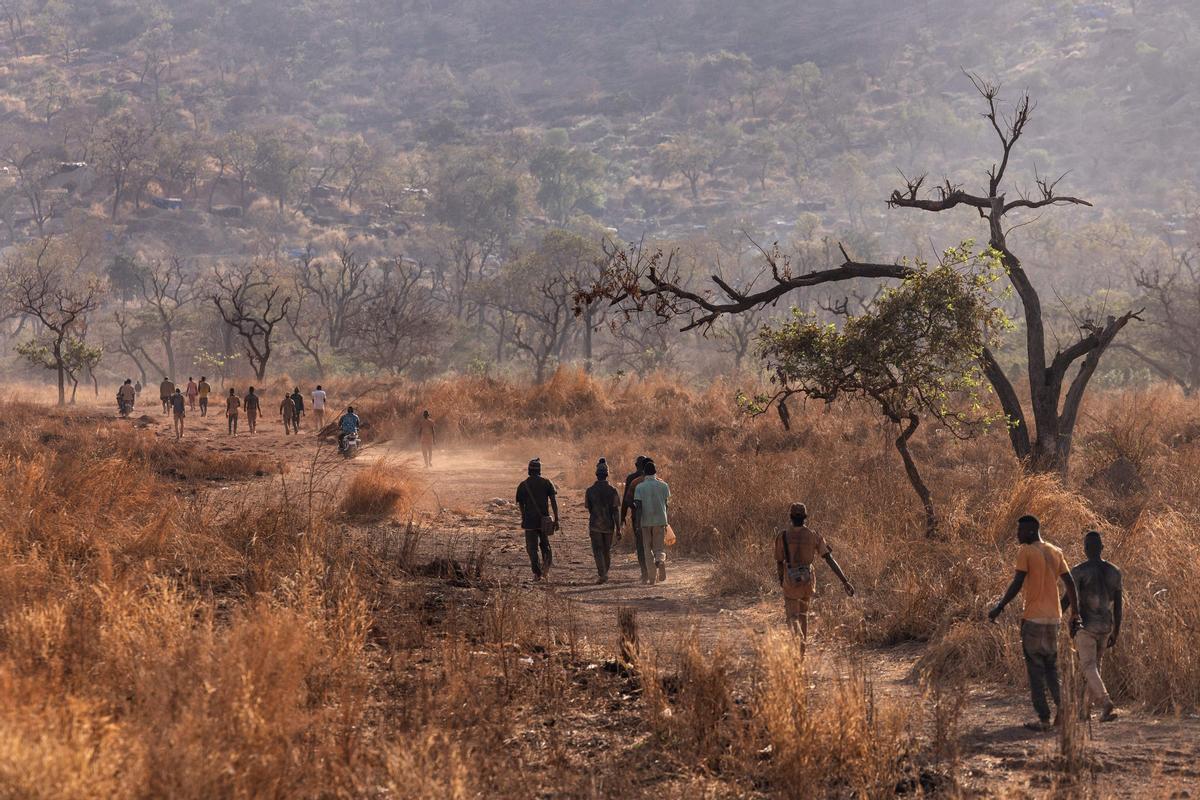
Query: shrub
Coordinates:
[377,492]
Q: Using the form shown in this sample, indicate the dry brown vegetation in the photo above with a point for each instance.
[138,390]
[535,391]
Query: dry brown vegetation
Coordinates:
[379,491]
[161,641]
[1136,478]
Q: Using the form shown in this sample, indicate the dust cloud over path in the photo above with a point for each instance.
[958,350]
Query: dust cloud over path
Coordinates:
[1139,755]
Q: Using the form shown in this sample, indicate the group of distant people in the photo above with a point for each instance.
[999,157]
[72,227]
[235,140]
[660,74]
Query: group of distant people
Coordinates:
[177,401]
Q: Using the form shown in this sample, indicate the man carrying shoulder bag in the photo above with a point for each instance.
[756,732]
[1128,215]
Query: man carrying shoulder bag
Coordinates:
[536,496]
[795,551]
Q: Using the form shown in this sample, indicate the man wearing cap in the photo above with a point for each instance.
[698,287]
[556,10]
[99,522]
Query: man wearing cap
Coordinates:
[535,497]
[1098,583]
[627,506]
[650,497]
[795,551]
[604,519]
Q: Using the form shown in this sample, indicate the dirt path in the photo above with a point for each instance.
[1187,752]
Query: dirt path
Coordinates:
[1137,756]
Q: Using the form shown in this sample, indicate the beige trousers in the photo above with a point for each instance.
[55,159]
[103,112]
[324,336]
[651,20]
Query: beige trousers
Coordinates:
[1090,647]
[653,543]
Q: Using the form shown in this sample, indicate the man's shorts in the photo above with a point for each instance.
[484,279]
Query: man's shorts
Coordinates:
[796,607]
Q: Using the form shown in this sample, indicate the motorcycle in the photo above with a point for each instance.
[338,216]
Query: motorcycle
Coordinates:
[348,446]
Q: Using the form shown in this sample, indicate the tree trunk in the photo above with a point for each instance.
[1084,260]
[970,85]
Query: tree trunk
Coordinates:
[62,380]
[170,350]
[587,338]
[914,475]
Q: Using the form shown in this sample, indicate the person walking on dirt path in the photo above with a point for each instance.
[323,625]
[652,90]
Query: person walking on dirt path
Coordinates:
[428,433]
[137,388]
[177,407]
[318,405]
[126,398]
[536,496]
[651,497]
[796,550]
[253,406]
[287,412]
[1098,583]
[298,399]
[604,519]
[629,509]
[204,390]
[192,392]
[1040,567]
[165,390]
[232,404]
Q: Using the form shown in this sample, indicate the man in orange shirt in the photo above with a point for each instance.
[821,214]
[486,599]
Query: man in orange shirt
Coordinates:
[1040,567]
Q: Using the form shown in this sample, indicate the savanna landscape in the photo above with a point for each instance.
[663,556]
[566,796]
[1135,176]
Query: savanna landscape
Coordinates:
[926,267]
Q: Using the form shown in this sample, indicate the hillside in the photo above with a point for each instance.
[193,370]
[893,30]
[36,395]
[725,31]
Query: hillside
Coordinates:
[456,134]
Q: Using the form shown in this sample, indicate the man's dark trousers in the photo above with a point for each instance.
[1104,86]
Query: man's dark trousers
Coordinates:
[602,551]
[535,540]
[1040,642]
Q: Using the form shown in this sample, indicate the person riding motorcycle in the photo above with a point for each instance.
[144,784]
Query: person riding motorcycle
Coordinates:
[348,426]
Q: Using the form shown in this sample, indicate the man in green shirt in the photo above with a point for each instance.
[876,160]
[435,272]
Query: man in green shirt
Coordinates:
[651,497]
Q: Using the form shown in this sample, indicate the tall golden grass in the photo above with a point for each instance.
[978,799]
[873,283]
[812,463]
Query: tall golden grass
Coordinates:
[159,641]
[733,478]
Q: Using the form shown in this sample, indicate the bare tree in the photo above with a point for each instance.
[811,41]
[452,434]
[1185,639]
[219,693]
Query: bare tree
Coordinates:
[335,289]
[1171,344]
[167,289]
[130,343]
[33,166]
[401,324]
[306,329]
[46,282]
[1042,438]
[123,148]
[641,343]
[252,303]
[538,292]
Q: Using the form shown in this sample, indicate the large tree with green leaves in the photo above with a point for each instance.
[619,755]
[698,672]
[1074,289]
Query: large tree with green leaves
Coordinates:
[913,353]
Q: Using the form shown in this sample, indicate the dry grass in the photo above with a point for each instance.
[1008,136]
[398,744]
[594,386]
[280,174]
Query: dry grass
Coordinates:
[156,641]
[378,491]
[733,478]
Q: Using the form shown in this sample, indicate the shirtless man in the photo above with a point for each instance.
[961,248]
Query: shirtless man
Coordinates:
[177,407]
[287,412]
[252,406]
[192,392]
[1101,604]
[428,434]
[232,404]
[796,549]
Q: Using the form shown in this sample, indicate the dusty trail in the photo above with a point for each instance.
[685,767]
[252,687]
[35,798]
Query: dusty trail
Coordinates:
[1139,755]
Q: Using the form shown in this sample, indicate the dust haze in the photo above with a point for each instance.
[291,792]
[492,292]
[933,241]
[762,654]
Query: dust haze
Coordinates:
[305,303]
